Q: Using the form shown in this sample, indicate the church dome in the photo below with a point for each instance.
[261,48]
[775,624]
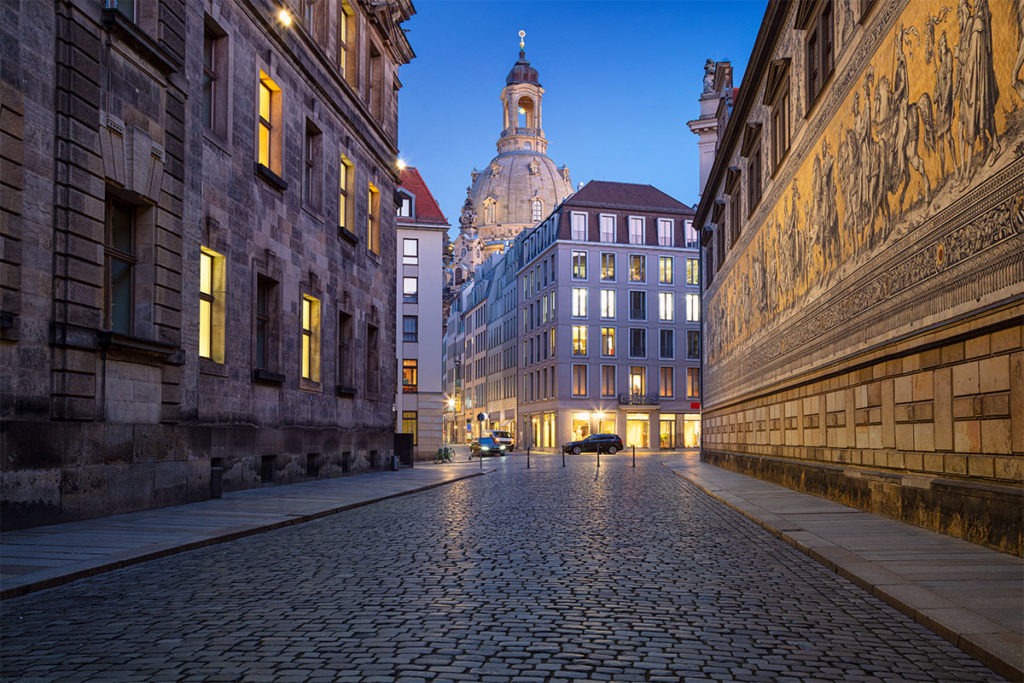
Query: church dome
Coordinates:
[522,72]
[517,190]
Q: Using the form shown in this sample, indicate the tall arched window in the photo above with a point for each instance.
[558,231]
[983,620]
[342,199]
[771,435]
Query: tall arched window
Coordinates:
[537,209]
[489,213]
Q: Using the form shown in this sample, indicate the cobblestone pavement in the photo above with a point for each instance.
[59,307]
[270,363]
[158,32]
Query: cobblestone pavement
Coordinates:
[546,574]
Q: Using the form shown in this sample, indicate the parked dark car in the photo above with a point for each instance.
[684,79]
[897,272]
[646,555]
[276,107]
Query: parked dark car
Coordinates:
[486,445]
[605,443]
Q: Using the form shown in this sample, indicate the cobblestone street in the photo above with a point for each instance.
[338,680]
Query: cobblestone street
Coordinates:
[542,574]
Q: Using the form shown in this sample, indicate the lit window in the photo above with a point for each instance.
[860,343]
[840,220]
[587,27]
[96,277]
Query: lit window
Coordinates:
[346,26]
[608,304]
[637,268]
[410,251]
[120,260]
[410,376]
[666,306]
[579,303]
[536,210]
[211,305]
[693,382]
[665,228]
[579,265]
[608,267]
[346,176]
[692,271]
[579,226]
[410,425]
[579,340]
[310,339]
[373,218]
[607,228]
[666,388]
[637,380]
[410,290]
[692,308]
[665,270]
[268,127]
[579,380]
[551,343]
[636,230]
[607,341]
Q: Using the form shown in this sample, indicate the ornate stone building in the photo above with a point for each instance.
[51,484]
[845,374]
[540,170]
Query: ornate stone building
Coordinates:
[863,255]
[521,185]
[198,248]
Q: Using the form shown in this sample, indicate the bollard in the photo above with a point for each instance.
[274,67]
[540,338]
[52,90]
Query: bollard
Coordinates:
[634,455]
[527,457]
[598,457]
[563,457]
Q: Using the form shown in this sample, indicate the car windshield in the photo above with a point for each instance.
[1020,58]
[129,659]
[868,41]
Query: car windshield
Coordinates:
[501,434]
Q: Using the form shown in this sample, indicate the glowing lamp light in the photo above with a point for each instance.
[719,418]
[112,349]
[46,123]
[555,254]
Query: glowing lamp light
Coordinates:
[521,110]
[285,17]
[400,164]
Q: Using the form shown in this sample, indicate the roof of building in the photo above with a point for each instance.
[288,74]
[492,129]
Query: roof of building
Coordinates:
[602,193]
[427,208]
[522,72]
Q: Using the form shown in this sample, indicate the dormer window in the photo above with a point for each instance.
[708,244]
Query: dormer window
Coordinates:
[405,206]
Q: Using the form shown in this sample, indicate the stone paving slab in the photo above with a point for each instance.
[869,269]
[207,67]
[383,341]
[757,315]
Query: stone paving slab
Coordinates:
[43,557]
[970,595]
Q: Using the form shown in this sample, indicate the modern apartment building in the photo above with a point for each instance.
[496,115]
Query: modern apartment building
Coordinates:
[863,284]
[208,298]
[608,329]
[421,227]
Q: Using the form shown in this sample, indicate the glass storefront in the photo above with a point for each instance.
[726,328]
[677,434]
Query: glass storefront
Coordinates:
[638,430]
[667,431]
[580,425]
[691,431]
[549,431]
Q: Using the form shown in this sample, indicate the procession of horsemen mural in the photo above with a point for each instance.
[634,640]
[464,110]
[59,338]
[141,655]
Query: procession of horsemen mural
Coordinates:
[936,111]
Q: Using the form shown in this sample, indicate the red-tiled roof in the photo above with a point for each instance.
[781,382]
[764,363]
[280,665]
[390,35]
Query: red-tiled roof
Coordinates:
[427,208]
[626,195]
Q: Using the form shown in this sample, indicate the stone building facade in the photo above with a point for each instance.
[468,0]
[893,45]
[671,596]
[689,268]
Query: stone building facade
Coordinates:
[198,248]
[420,287]
[608,329]
[863,254]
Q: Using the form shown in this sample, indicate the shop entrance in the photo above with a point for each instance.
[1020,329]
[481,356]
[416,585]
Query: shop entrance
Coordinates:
[638,431]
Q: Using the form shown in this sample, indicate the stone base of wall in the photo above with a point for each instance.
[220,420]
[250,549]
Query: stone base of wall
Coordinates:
[55,472]
[983,513]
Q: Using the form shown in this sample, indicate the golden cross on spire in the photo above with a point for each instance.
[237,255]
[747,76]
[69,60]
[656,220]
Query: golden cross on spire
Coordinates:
[522,43]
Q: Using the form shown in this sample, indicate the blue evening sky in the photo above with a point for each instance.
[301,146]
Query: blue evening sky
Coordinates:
[621,79]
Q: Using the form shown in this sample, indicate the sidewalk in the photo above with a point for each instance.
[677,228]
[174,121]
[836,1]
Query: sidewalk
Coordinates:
[970,595]
[47,556]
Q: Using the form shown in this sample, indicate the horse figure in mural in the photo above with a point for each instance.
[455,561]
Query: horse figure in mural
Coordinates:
[906,126]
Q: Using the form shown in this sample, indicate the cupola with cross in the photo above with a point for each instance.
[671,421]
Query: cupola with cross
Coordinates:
[521,104]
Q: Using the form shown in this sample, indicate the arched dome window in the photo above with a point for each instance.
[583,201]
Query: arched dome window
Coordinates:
[489,213]
[536,210]
[526,113]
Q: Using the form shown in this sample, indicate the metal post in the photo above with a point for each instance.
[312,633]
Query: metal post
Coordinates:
[634,455]
[563,457]
[598,457]
[527,457]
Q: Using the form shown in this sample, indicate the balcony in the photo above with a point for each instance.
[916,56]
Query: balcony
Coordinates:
[534,132]
[639,399]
